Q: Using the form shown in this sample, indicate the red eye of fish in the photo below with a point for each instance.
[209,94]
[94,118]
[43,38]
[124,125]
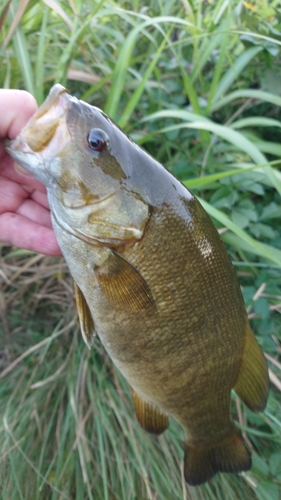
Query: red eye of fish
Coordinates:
[96,140]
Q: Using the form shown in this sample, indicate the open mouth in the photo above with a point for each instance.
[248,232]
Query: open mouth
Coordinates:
[46,131]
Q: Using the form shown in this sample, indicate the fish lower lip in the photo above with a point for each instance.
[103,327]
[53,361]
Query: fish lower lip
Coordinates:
[16,147]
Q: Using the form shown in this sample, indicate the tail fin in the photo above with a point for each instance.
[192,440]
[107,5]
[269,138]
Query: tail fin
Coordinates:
[201,463]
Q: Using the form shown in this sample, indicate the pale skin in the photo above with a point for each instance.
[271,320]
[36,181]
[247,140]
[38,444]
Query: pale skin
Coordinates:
[24,211]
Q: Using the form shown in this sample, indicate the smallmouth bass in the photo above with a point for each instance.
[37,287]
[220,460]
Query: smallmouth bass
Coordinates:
[152,279]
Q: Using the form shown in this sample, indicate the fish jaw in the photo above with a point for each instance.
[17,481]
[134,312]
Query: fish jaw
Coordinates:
[44,138]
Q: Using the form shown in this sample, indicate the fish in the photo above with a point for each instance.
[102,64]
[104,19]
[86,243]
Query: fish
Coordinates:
[152,279]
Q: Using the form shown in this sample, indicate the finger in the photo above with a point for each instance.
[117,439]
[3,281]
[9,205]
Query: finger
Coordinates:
[8,171]
[40,198]
[11,195]
[35,213]
[24,233]
[17,106]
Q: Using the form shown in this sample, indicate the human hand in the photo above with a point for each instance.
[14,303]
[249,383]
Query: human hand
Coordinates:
[24,211]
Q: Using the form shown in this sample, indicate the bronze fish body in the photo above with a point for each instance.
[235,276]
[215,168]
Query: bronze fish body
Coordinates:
[152,278]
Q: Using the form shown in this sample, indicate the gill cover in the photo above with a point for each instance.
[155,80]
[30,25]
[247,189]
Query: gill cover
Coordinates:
[117,218]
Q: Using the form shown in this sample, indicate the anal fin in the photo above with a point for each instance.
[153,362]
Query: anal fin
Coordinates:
[85,317]
[202,462]
[252,383]
[149,417]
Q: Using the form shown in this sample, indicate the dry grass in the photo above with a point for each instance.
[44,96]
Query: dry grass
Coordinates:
[46,372]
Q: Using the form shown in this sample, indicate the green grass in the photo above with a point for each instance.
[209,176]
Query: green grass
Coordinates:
[192,83]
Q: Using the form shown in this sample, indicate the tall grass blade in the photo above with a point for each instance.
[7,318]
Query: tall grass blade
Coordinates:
[4,15]
[22,53]
[237,139]
[259,95]
[16,19]
[234,71]
[201,182]
[124,58]
[40,61]
[140,88]
[59,10]
[210,42]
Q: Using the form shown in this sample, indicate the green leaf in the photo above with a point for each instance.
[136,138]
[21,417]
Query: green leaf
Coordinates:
[240,217]
[252,245]
[260,464]
[261,307]
[260,230]
[275,464]
[224,197]
[271,211]
[269,491]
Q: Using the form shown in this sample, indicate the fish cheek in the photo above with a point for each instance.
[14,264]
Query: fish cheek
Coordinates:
[120,219]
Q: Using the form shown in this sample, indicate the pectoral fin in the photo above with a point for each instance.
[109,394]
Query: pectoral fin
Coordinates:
[252,383]
[85,317]
[123,285]
[149,417]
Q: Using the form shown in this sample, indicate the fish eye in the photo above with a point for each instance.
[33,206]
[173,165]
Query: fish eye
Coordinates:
[97,140]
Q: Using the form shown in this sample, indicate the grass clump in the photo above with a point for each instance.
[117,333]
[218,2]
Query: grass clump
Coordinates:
[196,84]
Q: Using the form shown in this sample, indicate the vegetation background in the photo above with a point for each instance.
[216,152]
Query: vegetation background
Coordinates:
[197,84]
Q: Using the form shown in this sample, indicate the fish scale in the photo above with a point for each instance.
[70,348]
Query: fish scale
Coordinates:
[152,279]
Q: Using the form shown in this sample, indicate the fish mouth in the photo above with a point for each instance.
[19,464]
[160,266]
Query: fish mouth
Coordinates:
[52,99]
[45,134]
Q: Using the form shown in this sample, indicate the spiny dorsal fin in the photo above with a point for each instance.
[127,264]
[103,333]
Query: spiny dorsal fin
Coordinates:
[85,317]
[252,383]
[149,417]
[123,285]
